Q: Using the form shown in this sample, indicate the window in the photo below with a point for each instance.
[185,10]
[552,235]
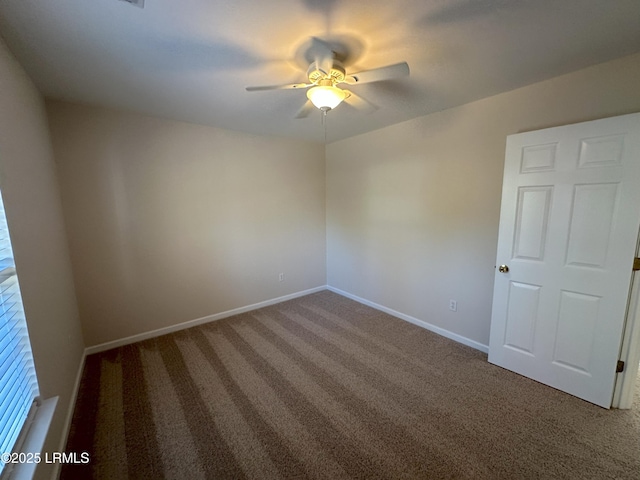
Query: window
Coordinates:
[18,383]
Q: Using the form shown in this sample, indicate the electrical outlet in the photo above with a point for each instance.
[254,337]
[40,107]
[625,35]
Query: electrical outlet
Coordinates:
[453,305]
[281,277]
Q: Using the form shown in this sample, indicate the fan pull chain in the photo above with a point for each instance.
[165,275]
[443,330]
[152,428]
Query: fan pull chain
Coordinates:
[324,124]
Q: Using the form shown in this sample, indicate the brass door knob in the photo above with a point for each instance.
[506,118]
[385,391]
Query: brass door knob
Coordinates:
[503,269]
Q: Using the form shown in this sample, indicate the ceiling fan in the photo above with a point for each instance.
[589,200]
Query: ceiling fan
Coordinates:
[325,72]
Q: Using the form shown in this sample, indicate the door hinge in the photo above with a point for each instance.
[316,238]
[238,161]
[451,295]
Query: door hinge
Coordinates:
[620,366]
[636,264]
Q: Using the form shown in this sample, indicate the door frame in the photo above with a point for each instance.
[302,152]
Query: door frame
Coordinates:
[630,346]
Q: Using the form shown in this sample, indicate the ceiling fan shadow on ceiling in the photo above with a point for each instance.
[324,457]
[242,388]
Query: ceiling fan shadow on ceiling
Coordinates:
[325,72]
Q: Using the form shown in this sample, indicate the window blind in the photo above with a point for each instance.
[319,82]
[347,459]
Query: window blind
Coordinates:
[18,383]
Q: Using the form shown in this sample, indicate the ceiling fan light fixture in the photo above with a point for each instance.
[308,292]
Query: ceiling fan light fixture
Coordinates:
[326,97]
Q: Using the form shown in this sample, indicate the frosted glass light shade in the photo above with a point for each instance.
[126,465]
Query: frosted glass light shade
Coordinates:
[326,97]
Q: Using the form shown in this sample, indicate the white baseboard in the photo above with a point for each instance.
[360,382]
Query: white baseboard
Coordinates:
[198,321]
[420,323]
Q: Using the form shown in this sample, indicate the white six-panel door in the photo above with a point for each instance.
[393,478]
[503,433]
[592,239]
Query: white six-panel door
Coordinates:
[568,231]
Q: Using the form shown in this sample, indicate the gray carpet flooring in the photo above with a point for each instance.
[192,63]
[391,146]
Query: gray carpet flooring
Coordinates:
[324,387]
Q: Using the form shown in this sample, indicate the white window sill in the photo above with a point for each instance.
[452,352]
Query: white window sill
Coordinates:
[33,442]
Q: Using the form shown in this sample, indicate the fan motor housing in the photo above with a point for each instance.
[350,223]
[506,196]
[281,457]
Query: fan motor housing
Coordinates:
[336,74]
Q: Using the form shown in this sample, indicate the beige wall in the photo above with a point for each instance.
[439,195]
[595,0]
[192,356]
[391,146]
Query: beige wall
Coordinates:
[32,200]
[170,222]
[413,209]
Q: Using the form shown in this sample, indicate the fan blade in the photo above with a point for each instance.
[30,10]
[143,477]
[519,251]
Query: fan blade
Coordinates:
[306,109]
[278,87]
[323,55]
[378,74]
[360,103]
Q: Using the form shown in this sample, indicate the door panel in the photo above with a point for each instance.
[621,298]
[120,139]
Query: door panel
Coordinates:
[568,229]
[532,219]
[574,339]
[601,151]
[538,158]
[522,316]
[593,211]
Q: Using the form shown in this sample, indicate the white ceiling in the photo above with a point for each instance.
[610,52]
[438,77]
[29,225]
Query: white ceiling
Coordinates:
[191,59]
